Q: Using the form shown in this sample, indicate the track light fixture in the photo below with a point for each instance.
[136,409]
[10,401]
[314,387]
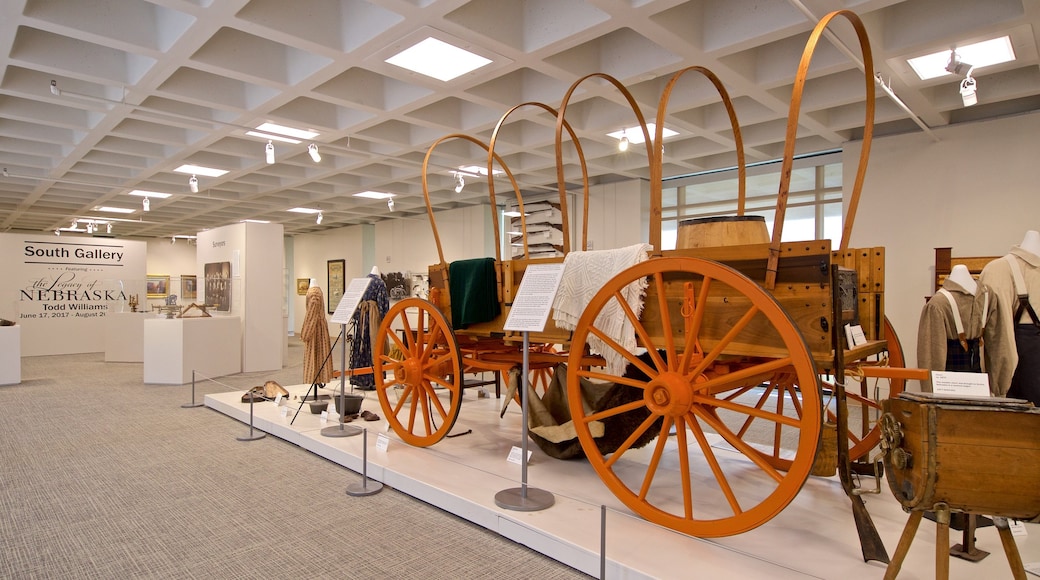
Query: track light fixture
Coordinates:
[173,240]
[269,152]
[321,216]
[969,96]
[75,222]
[459,182]
[54,88]
[622,144]
[109,227]
[312,150]
[146,205]
[90,228]
[193,184]
[6,174]
[57,232]
[390,204]
[957,66]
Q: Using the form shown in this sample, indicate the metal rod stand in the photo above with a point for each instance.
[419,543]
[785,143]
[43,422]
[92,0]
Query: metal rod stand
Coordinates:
[192,404]
[252,436]
[367,486]
[341,430]
[602,542]
[524,498]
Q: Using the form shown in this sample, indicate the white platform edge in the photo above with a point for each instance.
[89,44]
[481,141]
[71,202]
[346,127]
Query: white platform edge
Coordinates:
[814,537]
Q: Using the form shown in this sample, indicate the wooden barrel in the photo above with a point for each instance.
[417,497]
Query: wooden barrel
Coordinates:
[722,231]
[977,456]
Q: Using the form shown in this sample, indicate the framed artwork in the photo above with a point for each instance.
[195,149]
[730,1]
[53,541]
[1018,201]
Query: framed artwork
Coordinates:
[158,286]
[302,286]
[337,282]
[218,285]
[189,289]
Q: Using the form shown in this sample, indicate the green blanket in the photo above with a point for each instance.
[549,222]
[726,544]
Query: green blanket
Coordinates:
[474,295]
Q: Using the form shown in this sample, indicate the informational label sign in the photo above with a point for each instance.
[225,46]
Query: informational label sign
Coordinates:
[351,298]
[382,442]
[960,384]
[534,298]
[516,453]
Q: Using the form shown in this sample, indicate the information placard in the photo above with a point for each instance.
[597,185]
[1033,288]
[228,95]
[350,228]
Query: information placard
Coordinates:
[960,384]
[534,298]
[351,298]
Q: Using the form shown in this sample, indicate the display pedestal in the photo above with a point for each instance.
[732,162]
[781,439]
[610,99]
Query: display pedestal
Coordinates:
[10,355]
[124,337]
[173,348]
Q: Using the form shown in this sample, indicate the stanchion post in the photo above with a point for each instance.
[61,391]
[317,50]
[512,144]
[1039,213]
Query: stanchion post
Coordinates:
[365,487]
[252,436]
[602,542]
[192,404]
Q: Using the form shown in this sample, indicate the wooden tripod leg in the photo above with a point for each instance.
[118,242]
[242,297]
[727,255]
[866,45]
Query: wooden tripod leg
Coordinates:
[1010,548]
[942,542]
[909,531]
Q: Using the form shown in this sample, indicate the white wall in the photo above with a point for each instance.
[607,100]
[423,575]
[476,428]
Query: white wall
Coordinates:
[974,190]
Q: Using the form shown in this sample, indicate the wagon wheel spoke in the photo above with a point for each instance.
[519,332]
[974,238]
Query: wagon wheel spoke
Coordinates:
[713,462]
[666,323]
[739,444]
[726,340]
[655,459]
[599,376]
[636,434]
[758,405]
[631,358]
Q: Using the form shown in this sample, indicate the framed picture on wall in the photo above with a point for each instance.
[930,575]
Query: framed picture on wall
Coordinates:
[302,286]
[189,289]
[157,286]
[337,282]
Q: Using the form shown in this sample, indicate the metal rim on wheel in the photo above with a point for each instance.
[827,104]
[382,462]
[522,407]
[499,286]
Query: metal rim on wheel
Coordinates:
[700,482]
[410,385]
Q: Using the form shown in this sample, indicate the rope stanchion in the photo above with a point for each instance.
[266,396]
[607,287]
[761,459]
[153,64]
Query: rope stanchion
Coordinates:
[252,436]
[367,486]
[192,404]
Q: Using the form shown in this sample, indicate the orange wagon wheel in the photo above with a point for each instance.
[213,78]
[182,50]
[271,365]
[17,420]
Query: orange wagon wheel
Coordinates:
[701,377]
[863,406]
[413,378]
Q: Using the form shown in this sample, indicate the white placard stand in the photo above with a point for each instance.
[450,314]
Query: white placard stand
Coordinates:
[344,311]
[529,313]
[959,384]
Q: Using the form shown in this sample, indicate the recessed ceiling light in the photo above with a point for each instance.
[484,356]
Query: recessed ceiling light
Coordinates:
[304,210]
[979,54]
[114,209]
[635,134]
[272,137]
[200,170]
[155,194]
[438,59]
[374,195]
[258,221]
[73,229]
[289,131]
[477,170]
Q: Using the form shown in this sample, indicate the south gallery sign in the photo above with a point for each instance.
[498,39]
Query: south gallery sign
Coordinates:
[70,279]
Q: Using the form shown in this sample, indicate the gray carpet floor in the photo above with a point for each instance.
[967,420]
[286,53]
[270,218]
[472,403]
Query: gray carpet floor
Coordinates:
[102,476]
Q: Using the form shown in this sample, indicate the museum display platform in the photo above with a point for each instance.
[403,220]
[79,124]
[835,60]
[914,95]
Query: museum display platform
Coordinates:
[813,537]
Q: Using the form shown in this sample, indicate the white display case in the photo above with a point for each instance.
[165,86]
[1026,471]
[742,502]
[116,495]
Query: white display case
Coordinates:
[124,336]
[10,354]
[174,347]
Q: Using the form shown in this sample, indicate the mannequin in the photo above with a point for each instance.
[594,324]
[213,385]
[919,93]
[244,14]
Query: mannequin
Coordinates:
[375,271]
[1015,279]
[315,335]
[961,330]
[962,276]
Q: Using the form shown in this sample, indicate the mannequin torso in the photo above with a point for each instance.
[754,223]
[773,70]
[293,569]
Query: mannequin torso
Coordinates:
[962,277]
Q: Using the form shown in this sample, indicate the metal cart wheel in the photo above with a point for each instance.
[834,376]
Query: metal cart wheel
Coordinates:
[700,481]
[413,378]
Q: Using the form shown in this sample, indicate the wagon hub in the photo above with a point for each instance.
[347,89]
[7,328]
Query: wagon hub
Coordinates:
[669,393]
[410,371]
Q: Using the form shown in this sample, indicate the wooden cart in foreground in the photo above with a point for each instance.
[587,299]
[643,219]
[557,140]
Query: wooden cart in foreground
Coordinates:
[736,341]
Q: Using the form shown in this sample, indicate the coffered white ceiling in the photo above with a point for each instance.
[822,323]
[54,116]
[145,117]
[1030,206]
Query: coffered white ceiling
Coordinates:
[144,87]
